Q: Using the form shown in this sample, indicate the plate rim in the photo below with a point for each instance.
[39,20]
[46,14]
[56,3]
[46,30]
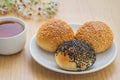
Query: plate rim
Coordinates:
[71,72]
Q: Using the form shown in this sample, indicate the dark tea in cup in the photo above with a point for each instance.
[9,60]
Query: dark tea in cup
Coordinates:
[10,28]
[12,35]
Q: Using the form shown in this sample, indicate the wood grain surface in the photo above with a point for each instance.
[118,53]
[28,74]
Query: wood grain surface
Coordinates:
[21,66]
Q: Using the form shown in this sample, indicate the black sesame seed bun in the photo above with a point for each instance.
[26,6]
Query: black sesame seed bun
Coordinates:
[53,33]
[75,55]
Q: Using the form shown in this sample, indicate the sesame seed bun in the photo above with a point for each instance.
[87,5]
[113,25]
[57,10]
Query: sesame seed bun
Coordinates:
[97,34]
[75,55]
[53,33]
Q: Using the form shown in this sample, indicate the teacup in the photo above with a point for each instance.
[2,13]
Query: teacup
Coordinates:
[12,35]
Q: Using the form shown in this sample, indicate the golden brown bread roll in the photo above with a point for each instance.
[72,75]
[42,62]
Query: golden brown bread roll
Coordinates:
[53,33]
[97,34]
[75,55]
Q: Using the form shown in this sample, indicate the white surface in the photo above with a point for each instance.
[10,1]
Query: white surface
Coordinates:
[47,59]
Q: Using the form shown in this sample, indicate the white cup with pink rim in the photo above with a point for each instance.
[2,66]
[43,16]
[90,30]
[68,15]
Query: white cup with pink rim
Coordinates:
[12,35]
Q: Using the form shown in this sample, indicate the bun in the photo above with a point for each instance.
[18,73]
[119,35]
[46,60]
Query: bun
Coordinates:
[75,55]
[97,34]
[53,33]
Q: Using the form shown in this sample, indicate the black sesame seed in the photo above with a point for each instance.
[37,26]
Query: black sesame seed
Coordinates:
[79,52]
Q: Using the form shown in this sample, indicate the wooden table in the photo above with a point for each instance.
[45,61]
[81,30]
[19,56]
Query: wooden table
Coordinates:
[21,66]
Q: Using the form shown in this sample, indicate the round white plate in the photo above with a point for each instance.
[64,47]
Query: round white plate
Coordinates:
[47,59]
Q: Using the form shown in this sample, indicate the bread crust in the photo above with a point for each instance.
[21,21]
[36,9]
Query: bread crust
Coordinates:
[97,34]
[53,33]
[75,55]
[64,62]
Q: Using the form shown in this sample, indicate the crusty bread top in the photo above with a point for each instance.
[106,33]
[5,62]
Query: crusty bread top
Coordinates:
[54,32]
[97,34]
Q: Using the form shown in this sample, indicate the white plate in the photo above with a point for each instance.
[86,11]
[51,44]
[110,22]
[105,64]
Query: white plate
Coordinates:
[47,59]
